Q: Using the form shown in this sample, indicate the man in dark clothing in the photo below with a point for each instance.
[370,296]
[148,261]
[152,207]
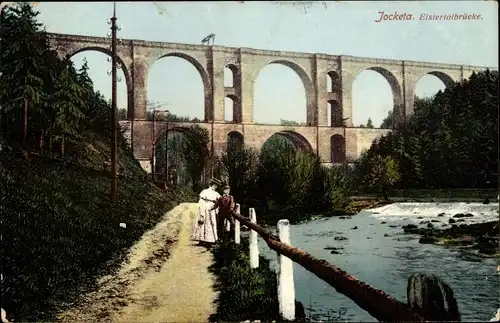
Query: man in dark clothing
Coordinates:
[226,207]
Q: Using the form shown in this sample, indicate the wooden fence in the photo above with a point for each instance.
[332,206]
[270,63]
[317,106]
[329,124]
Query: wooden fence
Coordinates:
[377,303]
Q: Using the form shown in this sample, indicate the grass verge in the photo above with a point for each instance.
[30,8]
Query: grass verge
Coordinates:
[59,228]
[244,293]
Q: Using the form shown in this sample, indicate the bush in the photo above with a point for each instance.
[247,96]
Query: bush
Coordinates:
[338,190]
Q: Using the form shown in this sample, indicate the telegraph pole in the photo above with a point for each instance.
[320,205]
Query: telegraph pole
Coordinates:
[114,150]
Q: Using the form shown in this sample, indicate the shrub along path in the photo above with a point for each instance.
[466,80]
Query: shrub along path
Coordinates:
[149,289]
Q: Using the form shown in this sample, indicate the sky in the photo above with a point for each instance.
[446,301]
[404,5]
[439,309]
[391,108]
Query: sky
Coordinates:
[335,27]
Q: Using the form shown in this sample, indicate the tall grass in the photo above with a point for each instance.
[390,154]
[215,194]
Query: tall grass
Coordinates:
[244,293]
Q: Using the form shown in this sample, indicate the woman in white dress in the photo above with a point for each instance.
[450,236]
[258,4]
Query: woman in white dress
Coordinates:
[205,229]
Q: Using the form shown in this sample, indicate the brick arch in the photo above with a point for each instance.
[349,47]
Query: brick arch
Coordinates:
[234,74]
[237,113]
[337,149]
[299,141]
[336,114]
[205,78]
[333,78]
[443,77]
[178,129]
[396,89]
[306,81]
[128,83]
[235,135]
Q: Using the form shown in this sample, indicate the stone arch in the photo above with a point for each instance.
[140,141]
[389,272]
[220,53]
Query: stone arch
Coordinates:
[299,141]
[396,89]
[172,154]
[306,81]
[337,149]
[207,90]
[336,114]
[124,68]
[236,108]
[233,71]
[333,83]
[234,138]
[164,132]
[443,77]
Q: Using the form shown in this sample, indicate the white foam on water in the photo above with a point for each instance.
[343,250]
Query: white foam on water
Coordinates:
[412,211]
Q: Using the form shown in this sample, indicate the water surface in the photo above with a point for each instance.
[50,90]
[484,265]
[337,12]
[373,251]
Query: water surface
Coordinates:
[386,262]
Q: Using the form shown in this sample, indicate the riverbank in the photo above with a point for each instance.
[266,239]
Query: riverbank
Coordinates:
[245,293]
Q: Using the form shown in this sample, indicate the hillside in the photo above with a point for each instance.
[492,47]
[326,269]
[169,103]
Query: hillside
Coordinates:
[60,229]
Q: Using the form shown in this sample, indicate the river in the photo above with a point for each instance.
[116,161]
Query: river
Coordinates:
[381,255]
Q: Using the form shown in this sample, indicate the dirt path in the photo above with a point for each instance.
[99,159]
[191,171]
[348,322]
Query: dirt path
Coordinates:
[149,289]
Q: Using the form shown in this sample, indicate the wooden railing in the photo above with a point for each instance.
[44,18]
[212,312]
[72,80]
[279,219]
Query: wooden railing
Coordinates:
[377,303]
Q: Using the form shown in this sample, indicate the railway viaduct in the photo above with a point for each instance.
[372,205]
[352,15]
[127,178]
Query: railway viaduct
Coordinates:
[334,140]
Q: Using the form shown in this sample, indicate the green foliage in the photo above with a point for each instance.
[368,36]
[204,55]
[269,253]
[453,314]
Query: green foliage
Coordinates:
[338,189]
[60,229]
[244,293]
[25,69]
[302,179]
[196,153]
[451,141]
[240,165]
[291,123]
[61,101]
[382,173]
[281,178]
[387,122]
[170,117]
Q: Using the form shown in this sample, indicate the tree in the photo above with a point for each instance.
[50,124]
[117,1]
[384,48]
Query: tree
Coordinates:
[369,123]
[196,154]
[291,123]
[302,179]
[338,189]
[383,173]
[387,122]
[61,101]
[67,103]
[25,69]
[240,165]
[452,139]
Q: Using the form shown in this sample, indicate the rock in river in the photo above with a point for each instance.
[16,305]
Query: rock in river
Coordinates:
[462,215]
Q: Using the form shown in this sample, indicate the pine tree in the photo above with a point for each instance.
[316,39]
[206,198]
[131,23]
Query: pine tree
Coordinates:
[452,139]
[67,103]
[24,68]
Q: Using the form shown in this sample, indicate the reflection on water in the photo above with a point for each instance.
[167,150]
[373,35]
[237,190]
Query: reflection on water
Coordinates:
[382,256]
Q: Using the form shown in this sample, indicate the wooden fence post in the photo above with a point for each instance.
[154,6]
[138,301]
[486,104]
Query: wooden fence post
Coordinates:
[254,242]
[286,288]
[237,234]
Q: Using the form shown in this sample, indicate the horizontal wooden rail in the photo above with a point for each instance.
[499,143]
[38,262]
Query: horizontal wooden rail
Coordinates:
[377,303]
